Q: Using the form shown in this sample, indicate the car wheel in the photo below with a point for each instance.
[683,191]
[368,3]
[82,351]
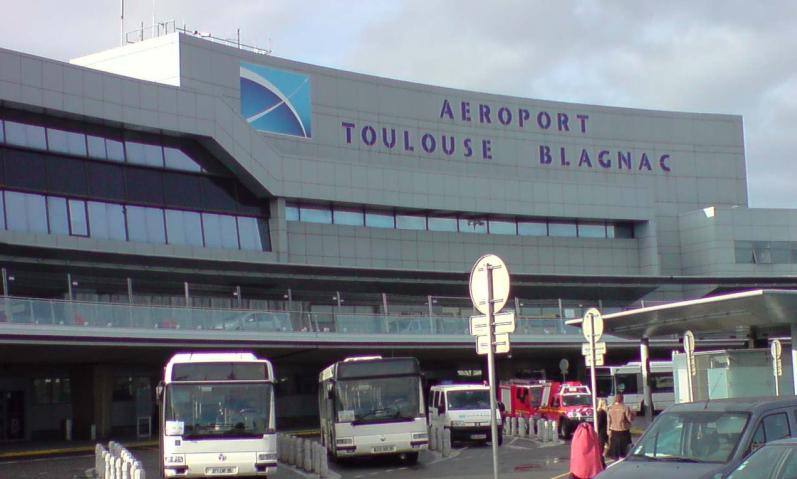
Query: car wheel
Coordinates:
[411,458]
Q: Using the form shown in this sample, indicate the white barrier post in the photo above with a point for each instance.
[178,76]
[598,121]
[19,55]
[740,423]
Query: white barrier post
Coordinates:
[323,470]
[308,456]
[446,442]
[554,430]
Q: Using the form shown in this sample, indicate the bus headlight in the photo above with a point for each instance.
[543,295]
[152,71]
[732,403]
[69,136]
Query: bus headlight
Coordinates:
[344,441]
[266,457]
[174,460]
[420,436]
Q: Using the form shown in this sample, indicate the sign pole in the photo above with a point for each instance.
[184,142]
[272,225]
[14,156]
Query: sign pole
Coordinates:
[491,368]
[592,373]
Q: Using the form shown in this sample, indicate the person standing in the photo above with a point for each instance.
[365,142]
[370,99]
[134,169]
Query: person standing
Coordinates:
[601,423]
[619,418]
[586,455]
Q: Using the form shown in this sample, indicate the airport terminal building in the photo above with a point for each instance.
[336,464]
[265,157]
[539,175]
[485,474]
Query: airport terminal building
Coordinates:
[179,194]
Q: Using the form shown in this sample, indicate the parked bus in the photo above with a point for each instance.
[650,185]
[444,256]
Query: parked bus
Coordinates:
[373,406]
[627,379]
[217,416]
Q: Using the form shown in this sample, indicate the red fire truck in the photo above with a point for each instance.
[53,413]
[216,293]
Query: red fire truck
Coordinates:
[569,403]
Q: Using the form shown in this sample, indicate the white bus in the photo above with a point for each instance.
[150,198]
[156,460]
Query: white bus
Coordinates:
[373,406]
[217,416]
[627,379]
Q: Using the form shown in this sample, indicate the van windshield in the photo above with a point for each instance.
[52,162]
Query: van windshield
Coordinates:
[576,400]
[701,436]
[459,400]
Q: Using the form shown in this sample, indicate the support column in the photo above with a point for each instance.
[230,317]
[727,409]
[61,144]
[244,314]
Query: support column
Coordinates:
[647,394]
[278,228]
[794,354]
[92,396]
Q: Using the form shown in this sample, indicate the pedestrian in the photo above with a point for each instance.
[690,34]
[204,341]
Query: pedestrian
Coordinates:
[601,425]
[619,418]
[586,455]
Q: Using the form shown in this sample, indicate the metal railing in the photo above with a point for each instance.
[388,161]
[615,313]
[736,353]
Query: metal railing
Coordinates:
[80,314]
[170,26]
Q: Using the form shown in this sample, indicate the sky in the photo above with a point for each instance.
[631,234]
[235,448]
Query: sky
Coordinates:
[732,57]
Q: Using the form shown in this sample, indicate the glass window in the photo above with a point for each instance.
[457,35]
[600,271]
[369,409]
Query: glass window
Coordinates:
[2,133]
[503,227]
[67,142]
[220,231]
[20,134]
[2,211]
[345,216]
[292,212]
[561,228]
[251,232]
[26,212]
[57,215]
[776,426]
[107,221]
[177,159]
[115,150]
[781,252]
[591,230]
[96,147]
[442,223]
[623,230]
[26,169]
[145,224]
[794,252]
[473,225]
[763,463]
[218,194]
[67,176]
[78,225]
[379,219]
[532,228]
[410,222]
[744,252]
[144,154]
[184,227]
[762,252]
[106,180]
[315,214]
[144,185]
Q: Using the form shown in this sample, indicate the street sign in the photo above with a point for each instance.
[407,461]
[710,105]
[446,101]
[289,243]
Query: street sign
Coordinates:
[778,368]
[776,349]
[479,283]
[592,325]
[598,360]
[689,343]
[600,348]
[504,323]
[501,344]
[564,366]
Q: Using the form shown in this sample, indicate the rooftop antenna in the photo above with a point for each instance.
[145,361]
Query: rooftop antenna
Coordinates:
[122,25]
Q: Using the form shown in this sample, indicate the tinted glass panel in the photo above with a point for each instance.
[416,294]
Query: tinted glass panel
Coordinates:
[184,227]
[57,215]
[411,222]
[442,223]
[562,229]
[532,228]
[30,136]
[144,186]
[67,176]
[385,367]
[67,142]
[144,154]
[624,230]
[776,426]
[249,233]
[2,132]
[145,225]
[744,252]
[291,213]
[219,372]
[115,150]
[473,225]
[781,252]
[26,212]
[182,190]
[379,219]
[499,227]
[250,204]
[2,211]
[96,147]
[106,180]
[591,230]
[77,218]
[220,231]
[347,217]
[175,158]
[107,221]
[315,214]
[218,194]
[25,169]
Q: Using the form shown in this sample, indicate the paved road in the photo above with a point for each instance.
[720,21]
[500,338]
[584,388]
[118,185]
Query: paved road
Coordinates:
[70,467]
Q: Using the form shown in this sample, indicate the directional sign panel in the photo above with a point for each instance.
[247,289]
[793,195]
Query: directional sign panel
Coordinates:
[600,348]
[501,344]
[504,323]
[479,326]
[598,360]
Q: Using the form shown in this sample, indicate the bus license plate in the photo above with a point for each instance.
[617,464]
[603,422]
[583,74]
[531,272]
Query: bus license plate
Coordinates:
[220,471]
[478,436]
[384,448]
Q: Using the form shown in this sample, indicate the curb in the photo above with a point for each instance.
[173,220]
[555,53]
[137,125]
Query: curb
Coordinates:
[65,451]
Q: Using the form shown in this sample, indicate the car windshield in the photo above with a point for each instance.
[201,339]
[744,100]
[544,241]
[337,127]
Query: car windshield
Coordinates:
[378,399]
[702,436]
[576,400]
[213,410]
[764,462]
[478,399]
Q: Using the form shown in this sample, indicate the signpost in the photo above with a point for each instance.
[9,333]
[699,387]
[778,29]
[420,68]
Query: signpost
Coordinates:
[689,349]
[593,351]
[489,291]
[777,364]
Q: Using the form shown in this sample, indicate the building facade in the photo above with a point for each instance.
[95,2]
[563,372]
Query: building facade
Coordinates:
[177,193]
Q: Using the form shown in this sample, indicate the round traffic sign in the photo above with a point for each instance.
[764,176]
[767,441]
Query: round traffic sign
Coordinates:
[689,342]
[478,283]
[776,349]
[564,365]
[592,325]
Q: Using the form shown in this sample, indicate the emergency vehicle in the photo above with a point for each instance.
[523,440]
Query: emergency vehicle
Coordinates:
[569,403]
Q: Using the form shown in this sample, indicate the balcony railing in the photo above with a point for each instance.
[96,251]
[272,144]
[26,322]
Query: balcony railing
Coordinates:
[78,314]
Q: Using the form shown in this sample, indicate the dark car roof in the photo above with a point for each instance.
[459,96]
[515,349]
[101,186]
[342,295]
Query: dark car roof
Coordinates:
[753,404]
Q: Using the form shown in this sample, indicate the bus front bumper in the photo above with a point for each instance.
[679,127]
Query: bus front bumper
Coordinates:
[233,464]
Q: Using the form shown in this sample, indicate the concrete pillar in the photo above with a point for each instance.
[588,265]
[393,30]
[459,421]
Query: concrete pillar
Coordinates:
[278,228]
[647,394]
[92,396]
[794,355]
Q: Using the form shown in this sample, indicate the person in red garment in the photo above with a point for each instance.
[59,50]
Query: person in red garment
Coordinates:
[585,453]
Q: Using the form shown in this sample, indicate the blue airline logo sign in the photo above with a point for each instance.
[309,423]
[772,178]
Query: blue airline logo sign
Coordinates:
[276,101]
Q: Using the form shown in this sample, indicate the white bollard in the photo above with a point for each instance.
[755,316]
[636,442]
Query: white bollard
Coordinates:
[323,470]
[308,456]
[106,457]
[514,426]
[523,427]
[445,447]
[433,438]
[117,468]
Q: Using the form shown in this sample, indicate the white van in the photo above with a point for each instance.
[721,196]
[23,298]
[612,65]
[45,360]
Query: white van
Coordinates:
[465,410]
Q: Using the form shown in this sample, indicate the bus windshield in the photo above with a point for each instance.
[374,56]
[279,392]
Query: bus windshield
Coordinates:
[478,399]
[378,399]
[219,410]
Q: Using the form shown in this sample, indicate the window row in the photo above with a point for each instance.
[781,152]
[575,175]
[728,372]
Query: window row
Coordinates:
[333,214]
[67,216]
[766,252]
[96,147]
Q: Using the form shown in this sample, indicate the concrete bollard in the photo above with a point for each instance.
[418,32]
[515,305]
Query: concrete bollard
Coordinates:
[514,426]
[523,427]
[108,468]
[117,474]
[445,447]
[323,470]
[138,471]
[433,438]
[554,431]
[308,456]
